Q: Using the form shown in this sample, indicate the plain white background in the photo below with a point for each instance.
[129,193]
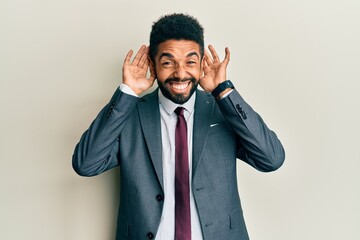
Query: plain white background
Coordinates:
[295,62]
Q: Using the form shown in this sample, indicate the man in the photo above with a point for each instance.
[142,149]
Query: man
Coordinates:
[177,165]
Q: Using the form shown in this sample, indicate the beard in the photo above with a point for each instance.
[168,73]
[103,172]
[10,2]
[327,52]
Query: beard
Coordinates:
[179,98]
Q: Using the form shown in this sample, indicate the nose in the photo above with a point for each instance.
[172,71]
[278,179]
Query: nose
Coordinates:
[180,72]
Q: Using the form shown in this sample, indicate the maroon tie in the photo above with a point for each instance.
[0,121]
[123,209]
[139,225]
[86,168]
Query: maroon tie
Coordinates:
[182,193]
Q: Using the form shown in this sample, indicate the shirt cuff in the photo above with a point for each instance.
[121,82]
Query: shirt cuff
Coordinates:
[126,89]
[227,94]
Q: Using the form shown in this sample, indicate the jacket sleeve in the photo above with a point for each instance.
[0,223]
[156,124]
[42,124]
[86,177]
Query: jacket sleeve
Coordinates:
[257,145]
[98,147]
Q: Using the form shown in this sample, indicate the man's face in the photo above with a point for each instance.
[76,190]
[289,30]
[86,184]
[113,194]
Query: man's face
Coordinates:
[178,69]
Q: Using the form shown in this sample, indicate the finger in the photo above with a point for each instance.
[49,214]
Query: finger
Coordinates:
[227,56]
[128,57]
[143,62]
[145,65]
[139,55]
[208,59]
[214,54]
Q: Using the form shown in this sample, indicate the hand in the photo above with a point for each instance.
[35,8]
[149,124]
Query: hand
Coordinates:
[214,70]
[134,73]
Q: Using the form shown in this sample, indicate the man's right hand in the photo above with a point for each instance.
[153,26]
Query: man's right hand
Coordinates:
[134,73]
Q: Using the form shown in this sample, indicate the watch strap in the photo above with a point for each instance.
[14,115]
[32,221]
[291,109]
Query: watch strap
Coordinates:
[221,87]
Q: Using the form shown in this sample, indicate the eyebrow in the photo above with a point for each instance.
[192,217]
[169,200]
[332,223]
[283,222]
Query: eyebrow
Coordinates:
[165,54]
[169,55]
[193,54]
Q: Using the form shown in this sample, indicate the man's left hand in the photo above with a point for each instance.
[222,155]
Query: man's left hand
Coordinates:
[214,70]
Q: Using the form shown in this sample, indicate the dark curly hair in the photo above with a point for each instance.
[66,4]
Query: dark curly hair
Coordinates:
[175,26]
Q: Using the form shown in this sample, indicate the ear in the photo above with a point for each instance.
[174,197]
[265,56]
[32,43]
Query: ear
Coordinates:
[152,68]
[202,63]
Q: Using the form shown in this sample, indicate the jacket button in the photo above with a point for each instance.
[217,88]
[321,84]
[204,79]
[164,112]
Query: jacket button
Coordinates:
[150,235]
[241,111]
[243,114]
[159,197]
[238,108]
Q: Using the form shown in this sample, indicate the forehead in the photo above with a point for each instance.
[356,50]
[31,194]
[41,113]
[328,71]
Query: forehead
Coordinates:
[178,48]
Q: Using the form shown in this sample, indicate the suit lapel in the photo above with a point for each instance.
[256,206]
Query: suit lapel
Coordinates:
[149,113]
[204,106]
[150,122]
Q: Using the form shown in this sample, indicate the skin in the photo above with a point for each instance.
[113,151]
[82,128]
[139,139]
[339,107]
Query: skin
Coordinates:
[178,68]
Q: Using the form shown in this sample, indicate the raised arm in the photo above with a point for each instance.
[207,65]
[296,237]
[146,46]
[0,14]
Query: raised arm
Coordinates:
[97,149]
[257,144]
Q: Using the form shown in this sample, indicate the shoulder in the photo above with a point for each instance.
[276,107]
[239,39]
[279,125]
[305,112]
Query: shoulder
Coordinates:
[150,97]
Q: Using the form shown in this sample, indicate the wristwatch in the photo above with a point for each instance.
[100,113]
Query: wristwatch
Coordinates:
[221,87]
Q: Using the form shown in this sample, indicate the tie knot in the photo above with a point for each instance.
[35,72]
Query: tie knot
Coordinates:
[179,111]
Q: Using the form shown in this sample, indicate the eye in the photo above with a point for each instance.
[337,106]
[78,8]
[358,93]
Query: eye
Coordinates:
[167,63]
[191,62]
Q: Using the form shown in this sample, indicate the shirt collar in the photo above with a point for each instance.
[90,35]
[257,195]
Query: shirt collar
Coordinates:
[170,106]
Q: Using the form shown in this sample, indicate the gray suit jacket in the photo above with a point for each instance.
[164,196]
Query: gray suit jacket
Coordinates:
[126,133]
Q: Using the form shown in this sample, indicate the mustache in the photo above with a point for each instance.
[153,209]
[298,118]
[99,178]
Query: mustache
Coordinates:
[171,79]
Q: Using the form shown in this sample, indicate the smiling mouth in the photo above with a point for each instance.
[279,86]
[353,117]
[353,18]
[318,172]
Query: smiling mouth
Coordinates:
[179,87]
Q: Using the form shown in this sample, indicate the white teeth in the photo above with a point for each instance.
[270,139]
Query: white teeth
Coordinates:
[179,86]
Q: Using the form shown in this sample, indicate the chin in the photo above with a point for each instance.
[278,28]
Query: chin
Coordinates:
[180,98]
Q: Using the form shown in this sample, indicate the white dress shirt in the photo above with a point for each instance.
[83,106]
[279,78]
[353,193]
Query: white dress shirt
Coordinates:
[166,229]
